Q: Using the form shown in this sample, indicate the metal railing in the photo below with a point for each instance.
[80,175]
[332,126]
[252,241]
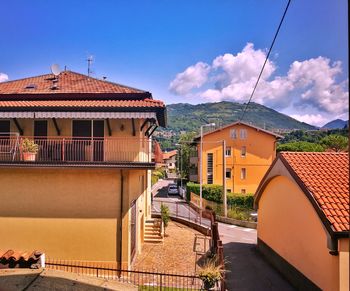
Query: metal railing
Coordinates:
[182,210]
[146,280]
[76,149]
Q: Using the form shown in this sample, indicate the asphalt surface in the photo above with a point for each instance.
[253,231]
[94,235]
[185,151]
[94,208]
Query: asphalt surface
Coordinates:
[247,269]
[177,206]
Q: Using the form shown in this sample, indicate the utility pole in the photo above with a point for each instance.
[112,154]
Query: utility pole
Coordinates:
[224,176]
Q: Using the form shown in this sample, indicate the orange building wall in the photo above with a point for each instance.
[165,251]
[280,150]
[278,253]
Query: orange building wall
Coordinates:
[70,214]
[289,225]
[260,152]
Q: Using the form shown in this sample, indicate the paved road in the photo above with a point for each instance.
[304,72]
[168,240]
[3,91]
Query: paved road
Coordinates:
[177,206]
[247,268]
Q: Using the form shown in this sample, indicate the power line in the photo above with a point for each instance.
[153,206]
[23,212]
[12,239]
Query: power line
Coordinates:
[267,57]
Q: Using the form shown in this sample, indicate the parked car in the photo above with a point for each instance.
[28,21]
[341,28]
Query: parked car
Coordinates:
[173,189]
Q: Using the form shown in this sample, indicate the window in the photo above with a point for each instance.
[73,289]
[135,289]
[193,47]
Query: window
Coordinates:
[4,128]
[243,133]
[233,133]
[228,173]
[228,190]
[228,151]
[210,168]
[243,151]
[243,173]
[243,191]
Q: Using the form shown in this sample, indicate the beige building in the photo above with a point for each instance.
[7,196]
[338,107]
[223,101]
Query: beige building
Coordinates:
[169,159]
[75,161]
[303,219]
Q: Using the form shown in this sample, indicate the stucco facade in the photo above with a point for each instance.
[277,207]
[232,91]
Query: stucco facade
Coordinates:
[252,152]
[86,194]
[291,232]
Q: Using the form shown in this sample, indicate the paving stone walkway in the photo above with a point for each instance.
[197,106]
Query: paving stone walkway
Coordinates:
[175,255]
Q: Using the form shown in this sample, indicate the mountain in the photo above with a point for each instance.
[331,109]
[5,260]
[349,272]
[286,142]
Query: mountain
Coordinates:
[188,117]
[335,124]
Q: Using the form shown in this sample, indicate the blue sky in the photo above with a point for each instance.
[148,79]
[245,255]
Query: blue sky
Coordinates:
[151,44]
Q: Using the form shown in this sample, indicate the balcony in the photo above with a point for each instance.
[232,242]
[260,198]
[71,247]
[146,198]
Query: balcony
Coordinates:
[65,151]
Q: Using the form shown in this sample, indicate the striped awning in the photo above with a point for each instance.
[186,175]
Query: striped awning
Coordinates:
[80,115]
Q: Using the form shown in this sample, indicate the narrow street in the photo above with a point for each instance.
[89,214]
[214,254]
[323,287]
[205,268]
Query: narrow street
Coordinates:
[247,269]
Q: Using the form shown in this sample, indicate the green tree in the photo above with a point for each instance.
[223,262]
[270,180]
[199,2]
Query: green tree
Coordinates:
[336,142]
[185,151]
[300,146]
[165,215]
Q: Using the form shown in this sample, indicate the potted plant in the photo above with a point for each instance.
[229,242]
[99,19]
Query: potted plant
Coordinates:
[29,149]
[210,274]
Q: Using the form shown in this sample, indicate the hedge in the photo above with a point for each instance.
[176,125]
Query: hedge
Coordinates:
[209,192]
[214,193]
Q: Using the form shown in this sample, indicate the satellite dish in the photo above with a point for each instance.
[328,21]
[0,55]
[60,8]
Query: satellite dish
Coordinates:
[55,69]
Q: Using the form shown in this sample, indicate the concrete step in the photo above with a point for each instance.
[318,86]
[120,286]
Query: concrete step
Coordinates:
[153,240]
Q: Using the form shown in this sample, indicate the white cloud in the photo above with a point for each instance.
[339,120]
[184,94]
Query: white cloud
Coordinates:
[314,119]
[310,90]
[3,77]
[193,77]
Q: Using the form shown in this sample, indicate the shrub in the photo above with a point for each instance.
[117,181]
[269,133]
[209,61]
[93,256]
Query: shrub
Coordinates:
[240,214]
[165,215]
[241,200]
[209,192]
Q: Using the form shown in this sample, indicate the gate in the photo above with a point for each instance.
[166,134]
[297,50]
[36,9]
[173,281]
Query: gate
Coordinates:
[133,230]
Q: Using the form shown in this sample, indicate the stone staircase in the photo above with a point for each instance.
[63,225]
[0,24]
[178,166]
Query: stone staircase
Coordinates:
[153,231]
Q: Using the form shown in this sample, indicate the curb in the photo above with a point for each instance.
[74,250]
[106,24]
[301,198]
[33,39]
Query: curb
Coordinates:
[243,223]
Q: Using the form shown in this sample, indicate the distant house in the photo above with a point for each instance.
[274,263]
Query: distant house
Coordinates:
[303,225]
[249,152]
[169,159]
[84,194]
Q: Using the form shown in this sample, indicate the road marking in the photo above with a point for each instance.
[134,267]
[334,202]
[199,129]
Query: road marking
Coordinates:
[232,226]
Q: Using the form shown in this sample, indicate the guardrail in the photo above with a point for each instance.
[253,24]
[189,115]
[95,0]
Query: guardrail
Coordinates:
[74,149]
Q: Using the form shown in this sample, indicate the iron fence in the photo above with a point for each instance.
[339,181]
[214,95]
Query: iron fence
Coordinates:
[182,210]
[145,280]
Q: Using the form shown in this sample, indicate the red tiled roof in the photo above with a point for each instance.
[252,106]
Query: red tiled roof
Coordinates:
[168,155]
[239,123]
[12,258]
[68,82]
[326,176]
[81,103]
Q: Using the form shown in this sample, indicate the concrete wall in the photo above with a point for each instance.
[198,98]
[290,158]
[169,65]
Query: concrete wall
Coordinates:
[260,152]
[71,214]
[289,225]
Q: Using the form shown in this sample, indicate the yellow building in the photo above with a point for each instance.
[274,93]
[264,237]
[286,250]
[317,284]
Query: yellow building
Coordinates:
[84,194]
[303,219]
[249,153]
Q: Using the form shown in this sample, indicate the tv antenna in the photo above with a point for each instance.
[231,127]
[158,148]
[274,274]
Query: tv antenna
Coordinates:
[55,69]
[89,61]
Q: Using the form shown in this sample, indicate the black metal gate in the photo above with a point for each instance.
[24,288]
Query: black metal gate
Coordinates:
[133,230]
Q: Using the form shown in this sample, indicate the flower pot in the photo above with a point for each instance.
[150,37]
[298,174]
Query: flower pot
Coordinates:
[208,285]
[29,157]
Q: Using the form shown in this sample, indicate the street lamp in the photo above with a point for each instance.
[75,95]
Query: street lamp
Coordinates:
[201,166]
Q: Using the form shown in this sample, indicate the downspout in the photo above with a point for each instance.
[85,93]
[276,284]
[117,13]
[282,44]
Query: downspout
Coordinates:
[121,218]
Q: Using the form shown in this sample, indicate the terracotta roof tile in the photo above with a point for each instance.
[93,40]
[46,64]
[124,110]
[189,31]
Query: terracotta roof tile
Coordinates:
[14,258]
[326,176]
[68,82]
[168,155]
[81,103]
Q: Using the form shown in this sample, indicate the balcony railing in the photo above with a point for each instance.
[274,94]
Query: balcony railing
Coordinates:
[76,150]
